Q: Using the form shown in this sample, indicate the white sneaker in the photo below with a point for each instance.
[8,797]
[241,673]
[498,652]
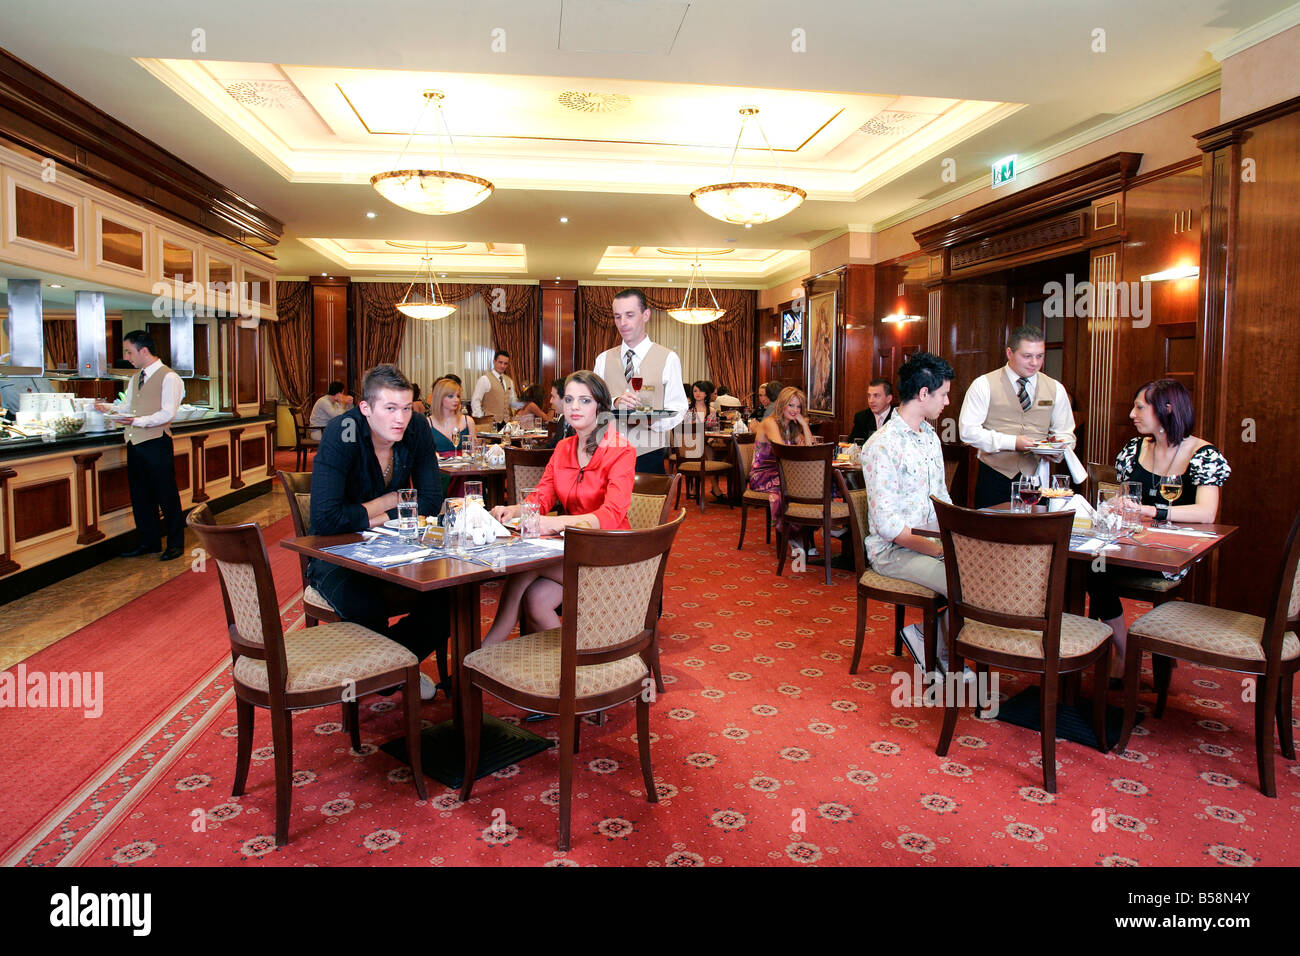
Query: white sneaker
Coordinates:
[428,689]
[914,638]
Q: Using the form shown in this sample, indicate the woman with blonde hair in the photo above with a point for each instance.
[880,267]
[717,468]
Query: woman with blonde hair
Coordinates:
[786,425]
[449,424]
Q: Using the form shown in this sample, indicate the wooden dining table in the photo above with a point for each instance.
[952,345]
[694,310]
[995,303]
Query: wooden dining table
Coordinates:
[492,476]
[442,750]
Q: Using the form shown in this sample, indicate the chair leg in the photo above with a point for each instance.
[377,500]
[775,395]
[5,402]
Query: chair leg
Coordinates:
[699,492]
[244,745]
[899,621]
[1100,680]
[411,701]
[860,636]
[1050,691]
[930,629]
[782,543]
[1132,665]
[1265,709]
[643,745]
[577,735]
[567,729]
[949,723]
[352,722]
[1285,733]
[1161,670]
[826,547]
[767,522]
[472,719]
[282,740]
[744,514]
[654,661]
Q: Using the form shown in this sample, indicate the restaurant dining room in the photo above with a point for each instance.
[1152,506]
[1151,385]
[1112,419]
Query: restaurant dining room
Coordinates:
[646,433]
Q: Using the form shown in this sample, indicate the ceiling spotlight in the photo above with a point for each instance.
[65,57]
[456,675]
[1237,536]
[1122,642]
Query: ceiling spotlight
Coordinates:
[749,225]
[370,215]
[748,202]
[55,285]
[564,219]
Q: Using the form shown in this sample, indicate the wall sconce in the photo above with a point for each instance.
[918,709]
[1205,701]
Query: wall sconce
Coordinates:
[901,319]
[1178,272]
[771,344]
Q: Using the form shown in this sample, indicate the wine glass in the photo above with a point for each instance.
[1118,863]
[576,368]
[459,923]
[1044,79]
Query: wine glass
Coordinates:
[1171,488]
[455,443]
[1025,493]
[635,383]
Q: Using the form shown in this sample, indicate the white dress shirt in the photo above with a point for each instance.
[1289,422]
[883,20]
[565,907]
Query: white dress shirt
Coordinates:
[975,408]
[484,386]
[674,397]
[173,393]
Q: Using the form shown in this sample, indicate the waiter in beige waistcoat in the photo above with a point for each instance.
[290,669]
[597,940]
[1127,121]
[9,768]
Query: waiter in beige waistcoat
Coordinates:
[152,398]
[661,372]
[494,393]
[1008,411]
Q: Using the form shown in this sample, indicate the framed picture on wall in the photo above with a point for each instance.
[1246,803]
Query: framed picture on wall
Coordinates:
[819,349]
[791,330]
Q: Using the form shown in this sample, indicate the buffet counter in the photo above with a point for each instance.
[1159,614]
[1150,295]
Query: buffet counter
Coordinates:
[63,501]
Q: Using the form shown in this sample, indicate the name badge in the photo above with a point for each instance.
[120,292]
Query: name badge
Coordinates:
[1046,403]
[647,388]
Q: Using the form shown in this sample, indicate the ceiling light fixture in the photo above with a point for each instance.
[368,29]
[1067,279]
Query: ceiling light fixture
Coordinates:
[699,313]
[564,219]
[427,303]
[748,202]
[432,192]
[371,215]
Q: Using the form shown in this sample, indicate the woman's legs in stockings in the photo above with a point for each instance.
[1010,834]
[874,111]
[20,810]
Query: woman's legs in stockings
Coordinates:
[535,588]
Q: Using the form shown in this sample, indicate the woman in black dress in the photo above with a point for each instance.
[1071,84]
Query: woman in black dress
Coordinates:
[1163,416]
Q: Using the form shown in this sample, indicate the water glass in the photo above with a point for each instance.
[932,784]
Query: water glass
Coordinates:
[408,524]
[1132,491]
[474,493]
[530,520]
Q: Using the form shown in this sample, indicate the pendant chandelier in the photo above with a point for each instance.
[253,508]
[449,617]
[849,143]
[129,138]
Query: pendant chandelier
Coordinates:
[432,192]
[426,302]
[748,203]
[699,313]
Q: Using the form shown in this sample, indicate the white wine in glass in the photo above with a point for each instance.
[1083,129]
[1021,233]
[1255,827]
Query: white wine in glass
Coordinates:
[1171,487]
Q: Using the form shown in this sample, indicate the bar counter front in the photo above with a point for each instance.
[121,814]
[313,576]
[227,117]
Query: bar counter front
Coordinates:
[63,502]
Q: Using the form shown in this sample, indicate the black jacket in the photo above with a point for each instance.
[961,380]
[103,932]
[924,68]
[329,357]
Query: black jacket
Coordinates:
[346,473]
[864,423]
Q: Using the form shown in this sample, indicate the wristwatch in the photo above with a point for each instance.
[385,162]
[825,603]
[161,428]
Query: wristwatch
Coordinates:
[1162,512]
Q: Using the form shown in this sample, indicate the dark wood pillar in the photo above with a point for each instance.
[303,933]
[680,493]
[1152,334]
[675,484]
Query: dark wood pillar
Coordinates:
[7,564]
[236,459]
[196,463]
[329,302]
[87,498]
[559,312]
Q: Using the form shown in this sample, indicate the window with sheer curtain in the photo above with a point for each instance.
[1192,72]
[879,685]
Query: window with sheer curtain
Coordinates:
[686,340]
[460,343]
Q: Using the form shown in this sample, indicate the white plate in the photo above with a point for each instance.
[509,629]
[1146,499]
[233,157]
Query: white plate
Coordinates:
[1047,449]
[391,524]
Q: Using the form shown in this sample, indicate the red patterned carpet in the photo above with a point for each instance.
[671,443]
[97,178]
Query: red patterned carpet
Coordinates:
[766,750]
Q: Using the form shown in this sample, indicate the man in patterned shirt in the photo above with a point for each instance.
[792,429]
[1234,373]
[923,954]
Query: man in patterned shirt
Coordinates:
[902,467]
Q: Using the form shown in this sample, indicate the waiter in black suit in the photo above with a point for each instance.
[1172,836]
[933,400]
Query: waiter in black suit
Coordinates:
[880,397]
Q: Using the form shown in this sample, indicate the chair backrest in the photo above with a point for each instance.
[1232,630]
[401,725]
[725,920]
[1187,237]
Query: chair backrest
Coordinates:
[744,456]
[1285,614]
[297,491]
[524,469]
[858,522]
[958,473]
[247,590]
[805,472]
[483,420]
[652,499]
[691,443]
[1007,569]
[612,584]
[299,422]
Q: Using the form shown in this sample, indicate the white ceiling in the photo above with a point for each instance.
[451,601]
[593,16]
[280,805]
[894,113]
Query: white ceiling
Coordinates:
[843,60]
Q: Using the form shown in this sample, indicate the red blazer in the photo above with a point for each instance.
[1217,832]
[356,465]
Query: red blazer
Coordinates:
[603,488]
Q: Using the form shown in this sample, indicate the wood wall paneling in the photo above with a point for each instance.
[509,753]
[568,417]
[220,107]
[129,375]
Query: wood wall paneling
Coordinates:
[216,463]
[181,468]
[330,360]
[114,490]
[559,308]
[41,508]
[248,376]
[252,453]
[45,220]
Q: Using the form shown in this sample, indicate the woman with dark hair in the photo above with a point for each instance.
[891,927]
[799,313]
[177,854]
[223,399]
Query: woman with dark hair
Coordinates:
[701,409]
[533,404]
[590,477]
[417,406]
[786,425]
[1164,417]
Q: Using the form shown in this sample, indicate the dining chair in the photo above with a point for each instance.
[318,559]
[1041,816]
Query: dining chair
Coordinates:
[524,469]
[653,500]
[595,660]
[805,475]
[1006,594]
[877,587]
[748,497]
[303,442]
[693,462]
[1266,647]
[313,667]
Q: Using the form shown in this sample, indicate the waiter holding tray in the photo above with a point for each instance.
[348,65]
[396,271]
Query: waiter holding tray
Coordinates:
[1011,411]
[641,372]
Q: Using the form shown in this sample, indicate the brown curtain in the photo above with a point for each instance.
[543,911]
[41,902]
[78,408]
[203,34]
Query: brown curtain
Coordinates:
[61,343]
[728,342]
[289,341]
[514,327]
[380,326]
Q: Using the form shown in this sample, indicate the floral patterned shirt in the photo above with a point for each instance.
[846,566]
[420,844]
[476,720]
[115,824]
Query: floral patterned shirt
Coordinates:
[902,468]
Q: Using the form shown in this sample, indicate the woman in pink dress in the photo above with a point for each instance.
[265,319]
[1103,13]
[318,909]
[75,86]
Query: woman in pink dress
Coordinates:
[786,425]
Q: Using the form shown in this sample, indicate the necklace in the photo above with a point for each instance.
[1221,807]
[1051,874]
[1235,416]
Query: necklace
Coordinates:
[1156,469]
[388,468]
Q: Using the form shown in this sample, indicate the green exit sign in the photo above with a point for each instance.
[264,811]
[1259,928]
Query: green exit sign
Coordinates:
[1004,171]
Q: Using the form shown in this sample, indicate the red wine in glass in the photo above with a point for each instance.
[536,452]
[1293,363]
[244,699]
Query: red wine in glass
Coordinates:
[1030,494]
[636,382]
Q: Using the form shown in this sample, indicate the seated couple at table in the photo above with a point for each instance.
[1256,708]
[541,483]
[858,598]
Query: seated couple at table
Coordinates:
[1163,416]
[786,425]
[366,455]
[590,477]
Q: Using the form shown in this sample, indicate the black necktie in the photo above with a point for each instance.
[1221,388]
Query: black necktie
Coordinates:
[1024,395]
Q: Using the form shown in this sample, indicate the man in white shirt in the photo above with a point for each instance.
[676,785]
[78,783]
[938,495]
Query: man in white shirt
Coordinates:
[661,388]
[328,407]
[495,392]
[1009,411]
[152,398]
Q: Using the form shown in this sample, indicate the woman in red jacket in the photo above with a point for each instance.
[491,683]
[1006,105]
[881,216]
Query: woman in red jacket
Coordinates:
[590,477]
